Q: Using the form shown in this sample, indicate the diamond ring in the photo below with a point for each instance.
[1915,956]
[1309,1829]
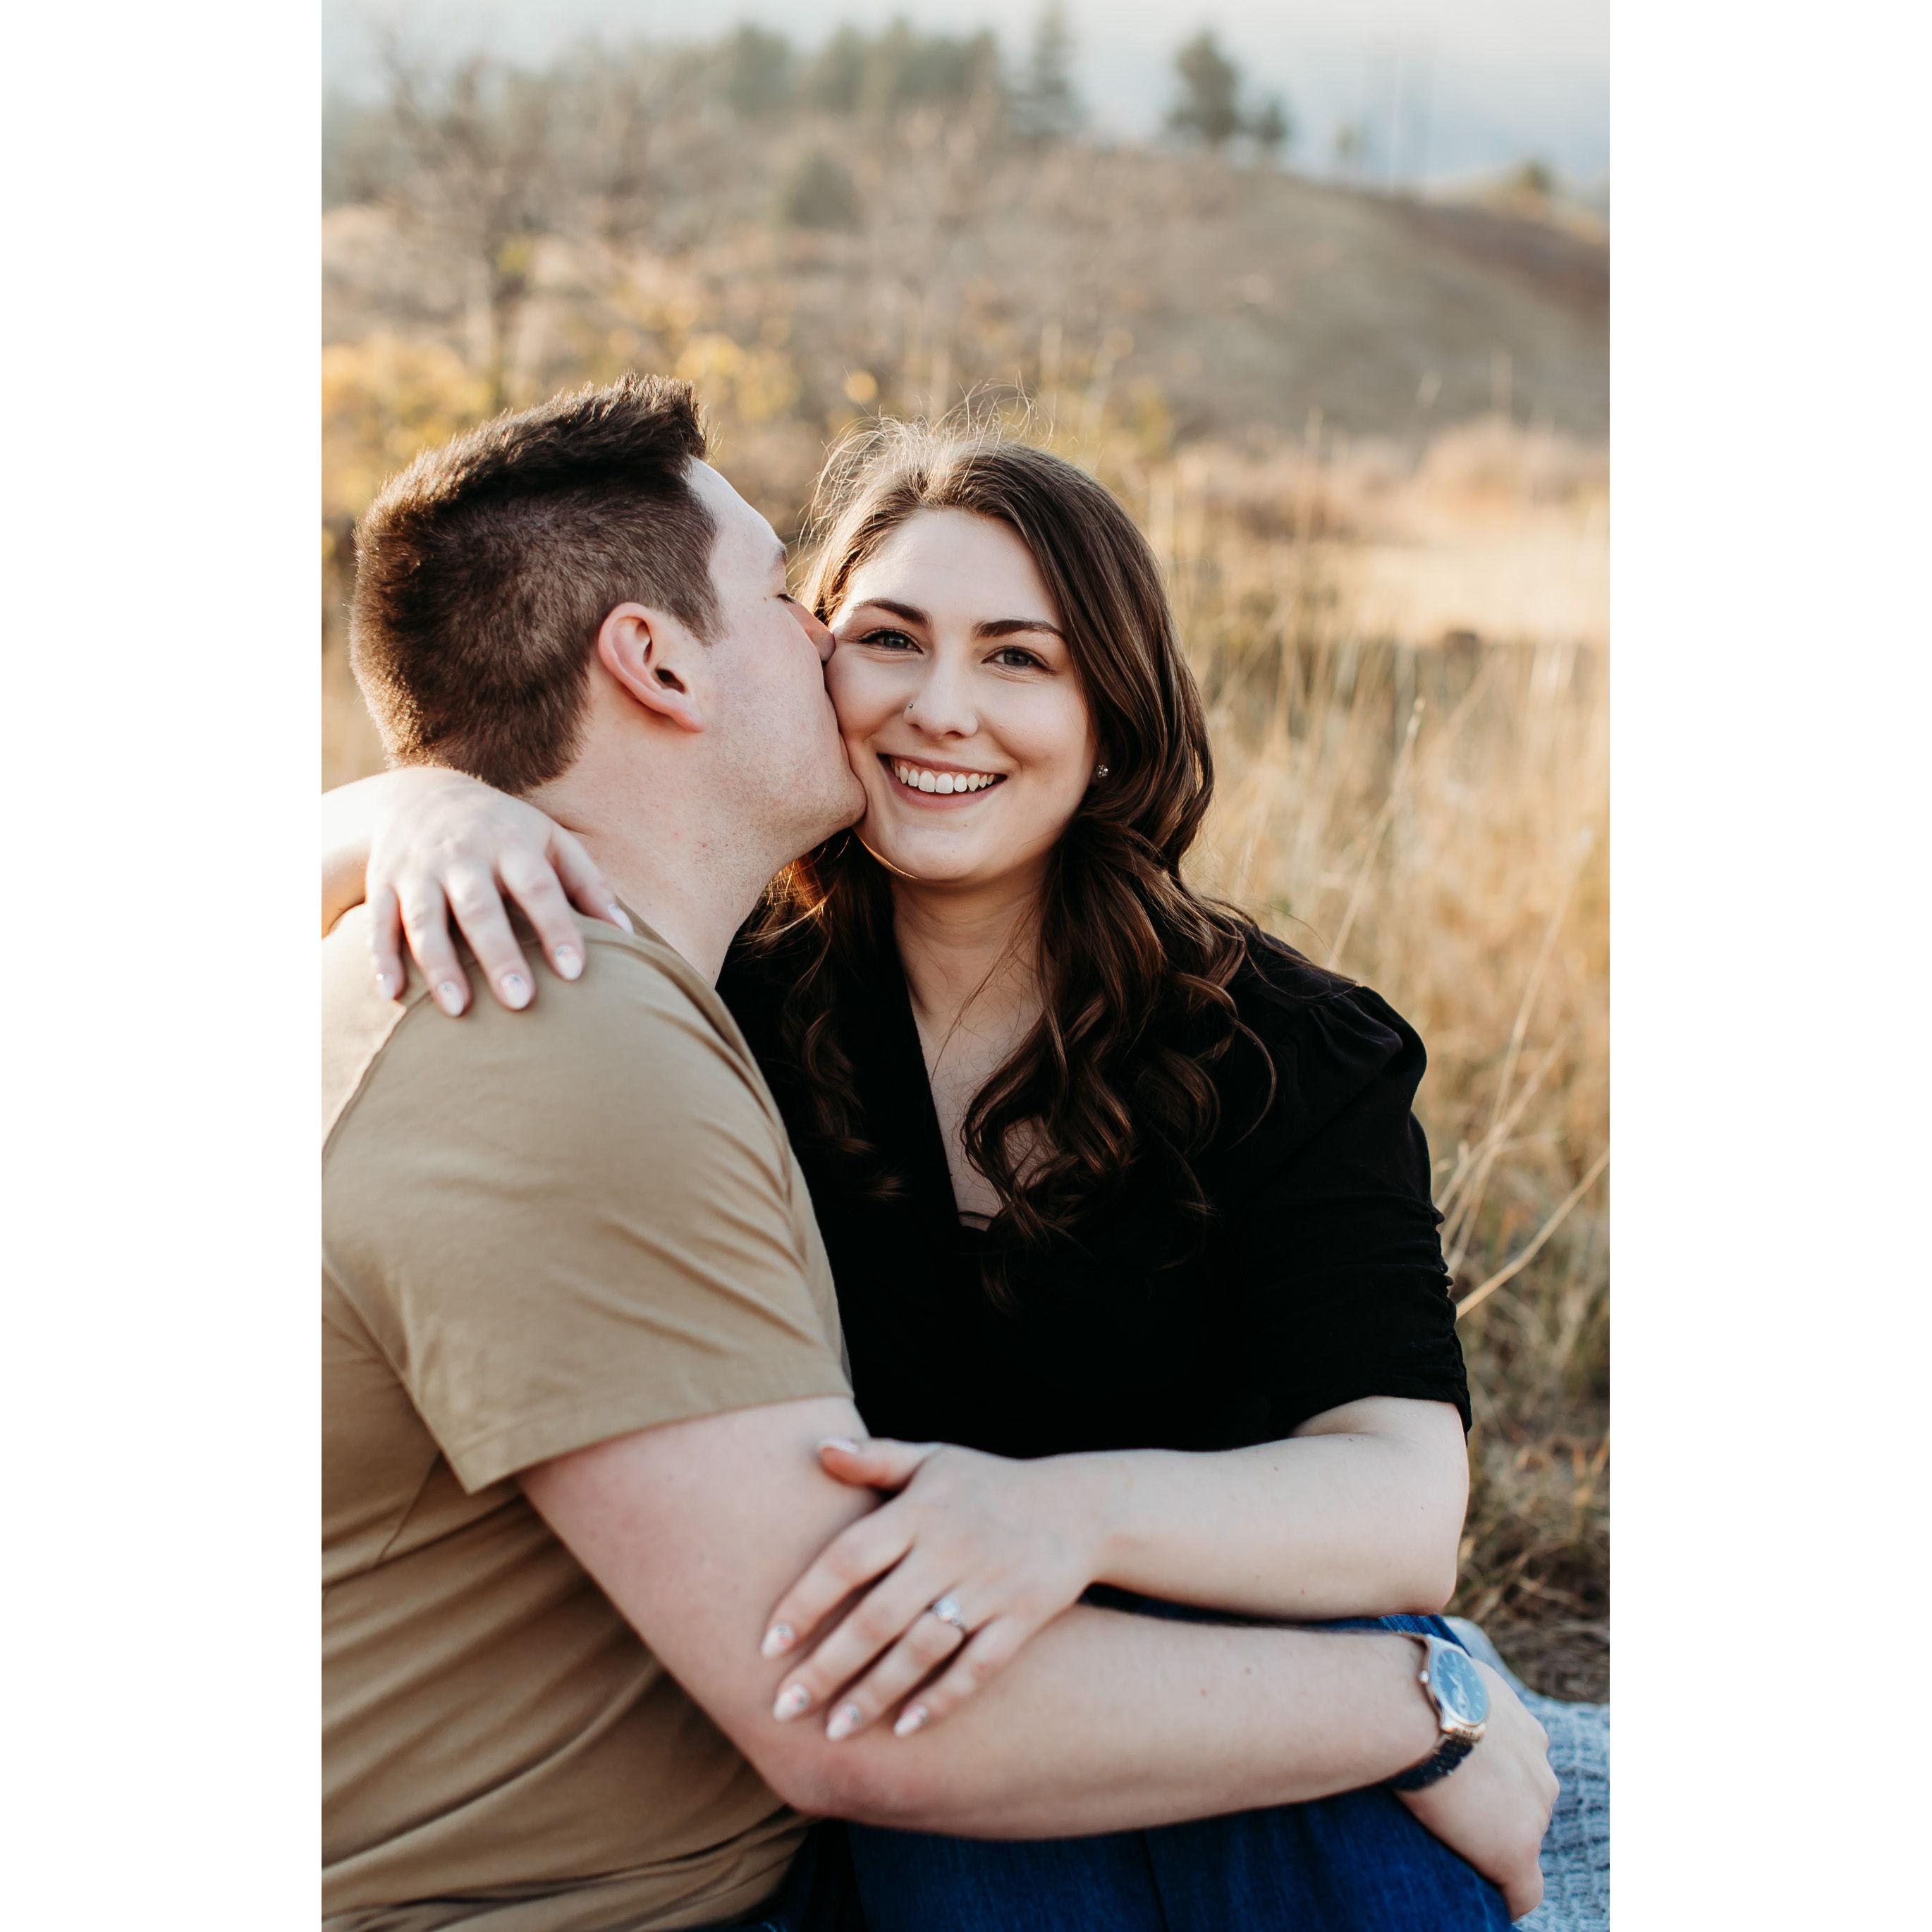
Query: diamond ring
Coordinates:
[947,1611]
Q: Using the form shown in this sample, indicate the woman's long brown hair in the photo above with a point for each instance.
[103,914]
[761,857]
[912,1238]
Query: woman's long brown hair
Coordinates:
[1134,967]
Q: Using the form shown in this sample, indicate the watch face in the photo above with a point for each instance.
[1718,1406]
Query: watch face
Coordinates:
[1459,1685]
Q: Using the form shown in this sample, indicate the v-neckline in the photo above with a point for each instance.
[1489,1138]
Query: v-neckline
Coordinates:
[932,1175]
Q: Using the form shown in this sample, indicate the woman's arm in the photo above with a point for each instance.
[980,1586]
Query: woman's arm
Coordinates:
[421,843]
[1358,1514]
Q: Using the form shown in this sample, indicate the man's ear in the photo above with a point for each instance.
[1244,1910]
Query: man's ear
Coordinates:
[653,656]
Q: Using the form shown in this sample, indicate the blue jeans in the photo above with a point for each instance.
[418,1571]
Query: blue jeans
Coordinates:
[1360,1862]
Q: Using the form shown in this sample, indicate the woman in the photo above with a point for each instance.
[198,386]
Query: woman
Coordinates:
[1128,1210]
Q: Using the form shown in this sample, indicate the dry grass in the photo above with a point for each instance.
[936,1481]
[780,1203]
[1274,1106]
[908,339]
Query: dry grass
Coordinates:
[1402,641]
[1433,819]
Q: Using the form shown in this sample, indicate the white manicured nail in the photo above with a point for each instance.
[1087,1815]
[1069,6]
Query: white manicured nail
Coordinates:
[449,997]
[844,1722]
[792,1699]
[620,917]
[516,989]
[569,962]
[914,1719]
[779,1639]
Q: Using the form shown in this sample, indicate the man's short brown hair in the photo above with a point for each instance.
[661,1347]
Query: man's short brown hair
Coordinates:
[485,569]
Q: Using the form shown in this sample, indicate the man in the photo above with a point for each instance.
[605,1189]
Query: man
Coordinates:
[580,1338]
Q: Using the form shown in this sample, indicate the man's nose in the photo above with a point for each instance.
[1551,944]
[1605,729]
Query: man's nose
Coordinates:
[823,641]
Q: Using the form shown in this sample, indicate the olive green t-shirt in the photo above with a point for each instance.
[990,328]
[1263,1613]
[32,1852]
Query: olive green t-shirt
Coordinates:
[540,1230]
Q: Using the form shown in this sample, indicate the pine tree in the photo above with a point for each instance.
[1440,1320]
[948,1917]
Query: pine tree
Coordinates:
[1210,83]
[1272,128]
[1046,107]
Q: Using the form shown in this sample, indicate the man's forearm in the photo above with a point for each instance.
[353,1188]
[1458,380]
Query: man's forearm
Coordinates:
[1109,1720]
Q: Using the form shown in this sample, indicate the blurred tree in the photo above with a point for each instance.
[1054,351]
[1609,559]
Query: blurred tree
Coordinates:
[819,192]
[1271,127]
[906,69]
[753,74]
[479,162]
[1210,84]
[477,176]
[1046,107]
[1534,180]
[1349,147]
[833,80]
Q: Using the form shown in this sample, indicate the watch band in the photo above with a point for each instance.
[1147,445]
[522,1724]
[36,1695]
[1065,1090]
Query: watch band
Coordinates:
[1448,1754]
[1453,1745]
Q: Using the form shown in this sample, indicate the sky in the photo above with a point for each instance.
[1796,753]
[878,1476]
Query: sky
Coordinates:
[1446,87]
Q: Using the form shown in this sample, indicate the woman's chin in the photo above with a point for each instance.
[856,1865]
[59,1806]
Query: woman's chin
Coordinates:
[917,861]
[916,868]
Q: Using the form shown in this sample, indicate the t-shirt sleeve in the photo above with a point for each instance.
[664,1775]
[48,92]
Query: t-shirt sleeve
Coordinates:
[1342,1291]
[565,1225]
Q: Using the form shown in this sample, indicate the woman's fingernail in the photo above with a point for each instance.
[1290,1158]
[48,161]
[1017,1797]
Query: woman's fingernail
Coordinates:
[449,997]
[779,1639]
[914,1719]
[619,916]
[792,1699]
[845,1443]
[844,1722]
[569,962]
[385,984]
[516,989]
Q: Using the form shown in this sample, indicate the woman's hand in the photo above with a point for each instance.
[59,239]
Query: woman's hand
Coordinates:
[447,843]
[1009,1544]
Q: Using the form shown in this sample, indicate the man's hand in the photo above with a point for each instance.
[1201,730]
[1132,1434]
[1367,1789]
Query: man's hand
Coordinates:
[1494,1807]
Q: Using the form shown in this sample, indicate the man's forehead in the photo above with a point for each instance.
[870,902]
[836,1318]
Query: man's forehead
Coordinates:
[738,523]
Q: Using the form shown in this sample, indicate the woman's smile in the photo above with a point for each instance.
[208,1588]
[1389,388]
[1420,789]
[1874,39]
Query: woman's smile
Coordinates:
[933,785]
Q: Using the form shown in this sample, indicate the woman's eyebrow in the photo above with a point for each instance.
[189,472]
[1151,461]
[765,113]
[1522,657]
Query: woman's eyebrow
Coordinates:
[910,613]
[1007,627]
[993,627]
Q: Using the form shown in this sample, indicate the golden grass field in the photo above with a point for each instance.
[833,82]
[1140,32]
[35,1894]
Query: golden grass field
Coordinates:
[1398,613]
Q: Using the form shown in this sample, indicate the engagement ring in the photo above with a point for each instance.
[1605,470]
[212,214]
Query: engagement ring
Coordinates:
[947,1611]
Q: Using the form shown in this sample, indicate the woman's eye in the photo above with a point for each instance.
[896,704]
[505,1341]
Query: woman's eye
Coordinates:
[890,640]
[1015,658]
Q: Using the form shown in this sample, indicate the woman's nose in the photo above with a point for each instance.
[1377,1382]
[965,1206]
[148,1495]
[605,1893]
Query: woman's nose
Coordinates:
[942,706]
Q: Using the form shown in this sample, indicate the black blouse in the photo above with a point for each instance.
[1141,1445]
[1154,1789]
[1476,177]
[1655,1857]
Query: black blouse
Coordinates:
[1318,1280]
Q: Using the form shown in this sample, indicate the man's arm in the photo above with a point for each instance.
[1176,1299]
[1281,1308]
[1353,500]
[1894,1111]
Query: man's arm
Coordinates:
[1105,1721]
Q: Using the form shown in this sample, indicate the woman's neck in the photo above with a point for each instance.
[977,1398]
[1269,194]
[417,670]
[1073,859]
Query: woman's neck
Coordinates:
[974,948]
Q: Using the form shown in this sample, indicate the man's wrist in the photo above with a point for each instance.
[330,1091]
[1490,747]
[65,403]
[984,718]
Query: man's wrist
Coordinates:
[1413,1729]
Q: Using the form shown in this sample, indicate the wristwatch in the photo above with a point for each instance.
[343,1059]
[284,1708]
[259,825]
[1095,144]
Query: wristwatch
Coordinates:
[1455,1687]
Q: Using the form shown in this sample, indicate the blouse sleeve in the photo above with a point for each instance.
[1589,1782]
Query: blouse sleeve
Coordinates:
[1342,1292]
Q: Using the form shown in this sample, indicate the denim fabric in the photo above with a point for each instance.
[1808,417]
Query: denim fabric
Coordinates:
[1357,1862]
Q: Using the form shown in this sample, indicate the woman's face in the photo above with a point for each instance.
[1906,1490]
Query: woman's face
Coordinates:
[958,700]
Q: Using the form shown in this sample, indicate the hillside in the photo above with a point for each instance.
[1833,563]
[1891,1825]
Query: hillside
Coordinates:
[1247,298]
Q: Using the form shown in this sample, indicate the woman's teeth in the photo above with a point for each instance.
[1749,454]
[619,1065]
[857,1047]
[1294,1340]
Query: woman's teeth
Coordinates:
[917,778]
